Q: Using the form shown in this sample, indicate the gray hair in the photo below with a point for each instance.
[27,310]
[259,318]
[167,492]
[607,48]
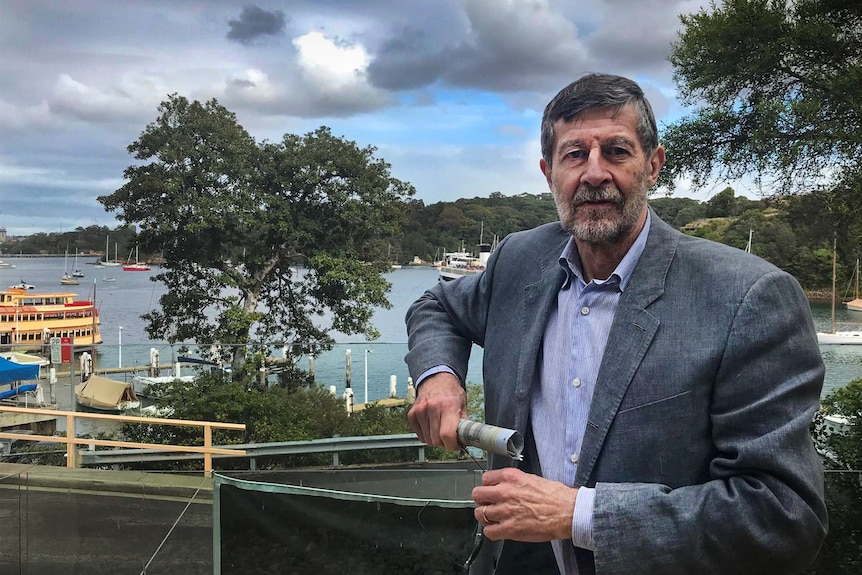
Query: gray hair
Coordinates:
[599,91]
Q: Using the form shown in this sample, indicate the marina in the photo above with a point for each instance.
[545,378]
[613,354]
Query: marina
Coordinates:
[126,349]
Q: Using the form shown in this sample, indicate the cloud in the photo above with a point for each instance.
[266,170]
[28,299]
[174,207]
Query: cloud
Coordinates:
[93,104]
[254,22]
[501,45]
[328,78]
[449,91]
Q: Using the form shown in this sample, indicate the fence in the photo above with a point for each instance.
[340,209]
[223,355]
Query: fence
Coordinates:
[71,441]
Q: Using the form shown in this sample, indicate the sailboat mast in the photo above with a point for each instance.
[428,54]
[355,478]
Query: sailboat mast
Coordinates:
[834,265]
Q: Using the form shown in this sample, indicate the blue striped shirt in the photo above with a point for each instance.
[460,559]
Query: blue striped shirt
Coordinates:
[573,347]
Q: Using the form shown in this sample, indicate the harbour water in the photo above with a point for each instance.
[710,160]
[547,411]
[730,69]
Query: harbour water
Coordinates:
[122,302]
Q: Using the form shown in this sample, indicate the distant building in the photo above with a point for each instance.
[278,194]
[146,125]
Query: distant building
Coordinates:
[2,235]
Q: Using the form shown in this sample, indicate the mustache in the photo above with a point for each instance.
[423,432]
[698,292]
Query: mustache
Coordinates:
[587,193]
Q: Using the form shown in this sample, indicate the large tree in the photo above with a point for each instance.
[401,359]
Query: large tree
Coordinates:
[774,85]
[266,243]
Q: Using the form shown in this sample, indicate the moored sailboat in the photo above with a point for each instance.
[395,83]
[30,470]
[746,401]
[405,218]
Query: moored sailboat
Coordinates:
[66,279]
[856,303]
[114,263]
[138,266]
[838,337]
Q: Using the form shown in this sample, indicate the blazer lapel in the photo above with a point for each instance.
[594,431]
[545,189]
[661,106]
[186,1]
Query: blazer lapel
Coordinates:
[539,299]
[631,333]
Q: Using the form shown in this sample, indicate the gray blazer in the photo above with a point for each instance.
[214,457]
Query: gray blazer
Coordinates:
[697,440]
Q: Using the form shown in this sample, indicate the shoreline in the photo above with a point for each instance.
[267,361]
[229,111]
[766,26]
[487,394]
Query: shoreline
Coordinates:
[818,295]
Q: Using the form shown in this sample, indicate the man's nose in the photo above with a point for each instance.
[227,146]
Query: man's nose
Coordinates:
[595,172]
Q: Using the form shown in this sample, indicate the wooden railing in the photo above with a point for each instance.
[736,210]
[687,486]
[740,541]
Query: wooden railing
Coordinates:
[72,441]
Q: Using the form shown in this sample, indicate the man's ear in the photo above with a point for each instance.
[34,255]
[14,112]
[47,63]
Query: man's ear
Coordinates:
[546,170]
[656,161]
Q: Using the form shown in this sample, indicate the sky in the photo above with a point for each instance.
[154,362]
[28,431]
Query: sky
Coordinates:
[450,92]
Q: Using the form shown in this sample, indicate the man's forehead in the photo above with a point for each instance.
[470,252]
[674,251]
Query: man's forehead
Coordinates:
[624,116]
[602,126]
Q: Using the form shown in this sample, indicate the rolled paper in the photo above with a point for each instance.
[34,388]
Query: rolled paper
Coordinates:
[497,440]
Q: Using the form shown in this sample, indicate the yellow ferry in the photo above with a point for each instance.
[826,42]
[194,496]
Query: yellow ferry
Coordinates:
[32,319]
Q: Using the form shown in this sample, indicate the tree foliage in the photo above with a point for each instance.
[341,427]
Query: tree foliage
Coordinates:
[265,242]
[776,90]
[446,226]
[841,552]
[275,414]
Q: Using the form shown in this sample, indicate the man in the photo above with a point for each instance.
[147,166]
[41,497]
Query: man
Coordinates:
[664,383]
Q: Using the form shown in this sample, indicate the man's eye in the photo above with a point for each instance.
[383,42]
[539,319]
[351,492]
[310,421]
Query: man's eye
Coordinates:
[576,154]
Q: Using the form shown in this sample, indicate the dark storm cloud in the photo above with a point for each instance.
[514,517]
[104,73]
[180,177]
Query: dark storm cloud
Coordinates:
[410,60]
[505,47]
[254,22]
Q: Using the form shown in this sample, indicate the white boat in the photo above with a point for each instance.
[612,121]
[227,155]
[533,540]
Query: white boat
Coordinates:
[109,279]
[6,264]
[22,285]
[77,273]
[103,394]
[838,337]
[144,385]
[463,263]
[114,263]
[835,423]
[460,264]
[66,279]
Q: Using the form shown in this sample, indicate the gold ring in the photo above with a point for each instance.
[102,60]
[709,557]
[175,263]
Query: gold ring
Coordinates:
[485,517]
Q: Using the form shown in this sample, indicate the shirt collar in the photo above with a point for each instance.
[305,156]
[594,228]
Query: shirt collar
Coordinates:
[570,261]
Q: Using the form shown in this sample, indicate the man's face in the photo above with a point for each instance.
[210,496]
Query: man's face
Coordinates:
[599,175]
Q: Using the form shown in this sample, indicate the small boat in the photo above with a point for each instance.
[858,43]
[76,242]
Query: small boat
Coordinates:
[838,337]
[66,279]
[22,285]
[6,264]
[77,273]
[109,279]
[138,266]
[12,372]
[103,394]
[114,263]
[856,303]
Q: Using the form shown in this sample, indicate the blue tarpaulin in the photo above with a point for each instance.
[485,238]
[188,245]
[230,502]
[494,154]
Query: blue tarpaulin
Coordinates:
[11,371]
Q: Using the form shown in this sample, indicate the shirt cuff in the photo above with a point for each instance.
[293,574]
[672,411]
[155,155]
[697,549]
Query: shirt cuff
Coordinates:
[582,518]
[434,370]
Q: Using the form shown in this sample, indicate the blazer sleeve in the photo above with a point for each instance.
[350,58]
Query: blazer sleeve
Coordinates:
[446,320]
[761,507]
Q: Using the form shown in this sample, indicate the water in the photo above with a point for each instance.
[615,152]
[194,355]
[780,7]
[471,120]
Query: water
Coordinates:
[122,302]
[843,362]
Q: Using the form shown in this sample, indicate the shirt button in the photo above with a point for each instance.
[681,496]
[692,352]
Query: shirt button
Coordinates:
[574,457]
[576,382]
[585,310]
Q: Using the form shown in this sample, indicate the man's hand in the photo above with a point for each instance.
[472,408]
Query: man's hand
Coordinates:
[515,505]
[440,404]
